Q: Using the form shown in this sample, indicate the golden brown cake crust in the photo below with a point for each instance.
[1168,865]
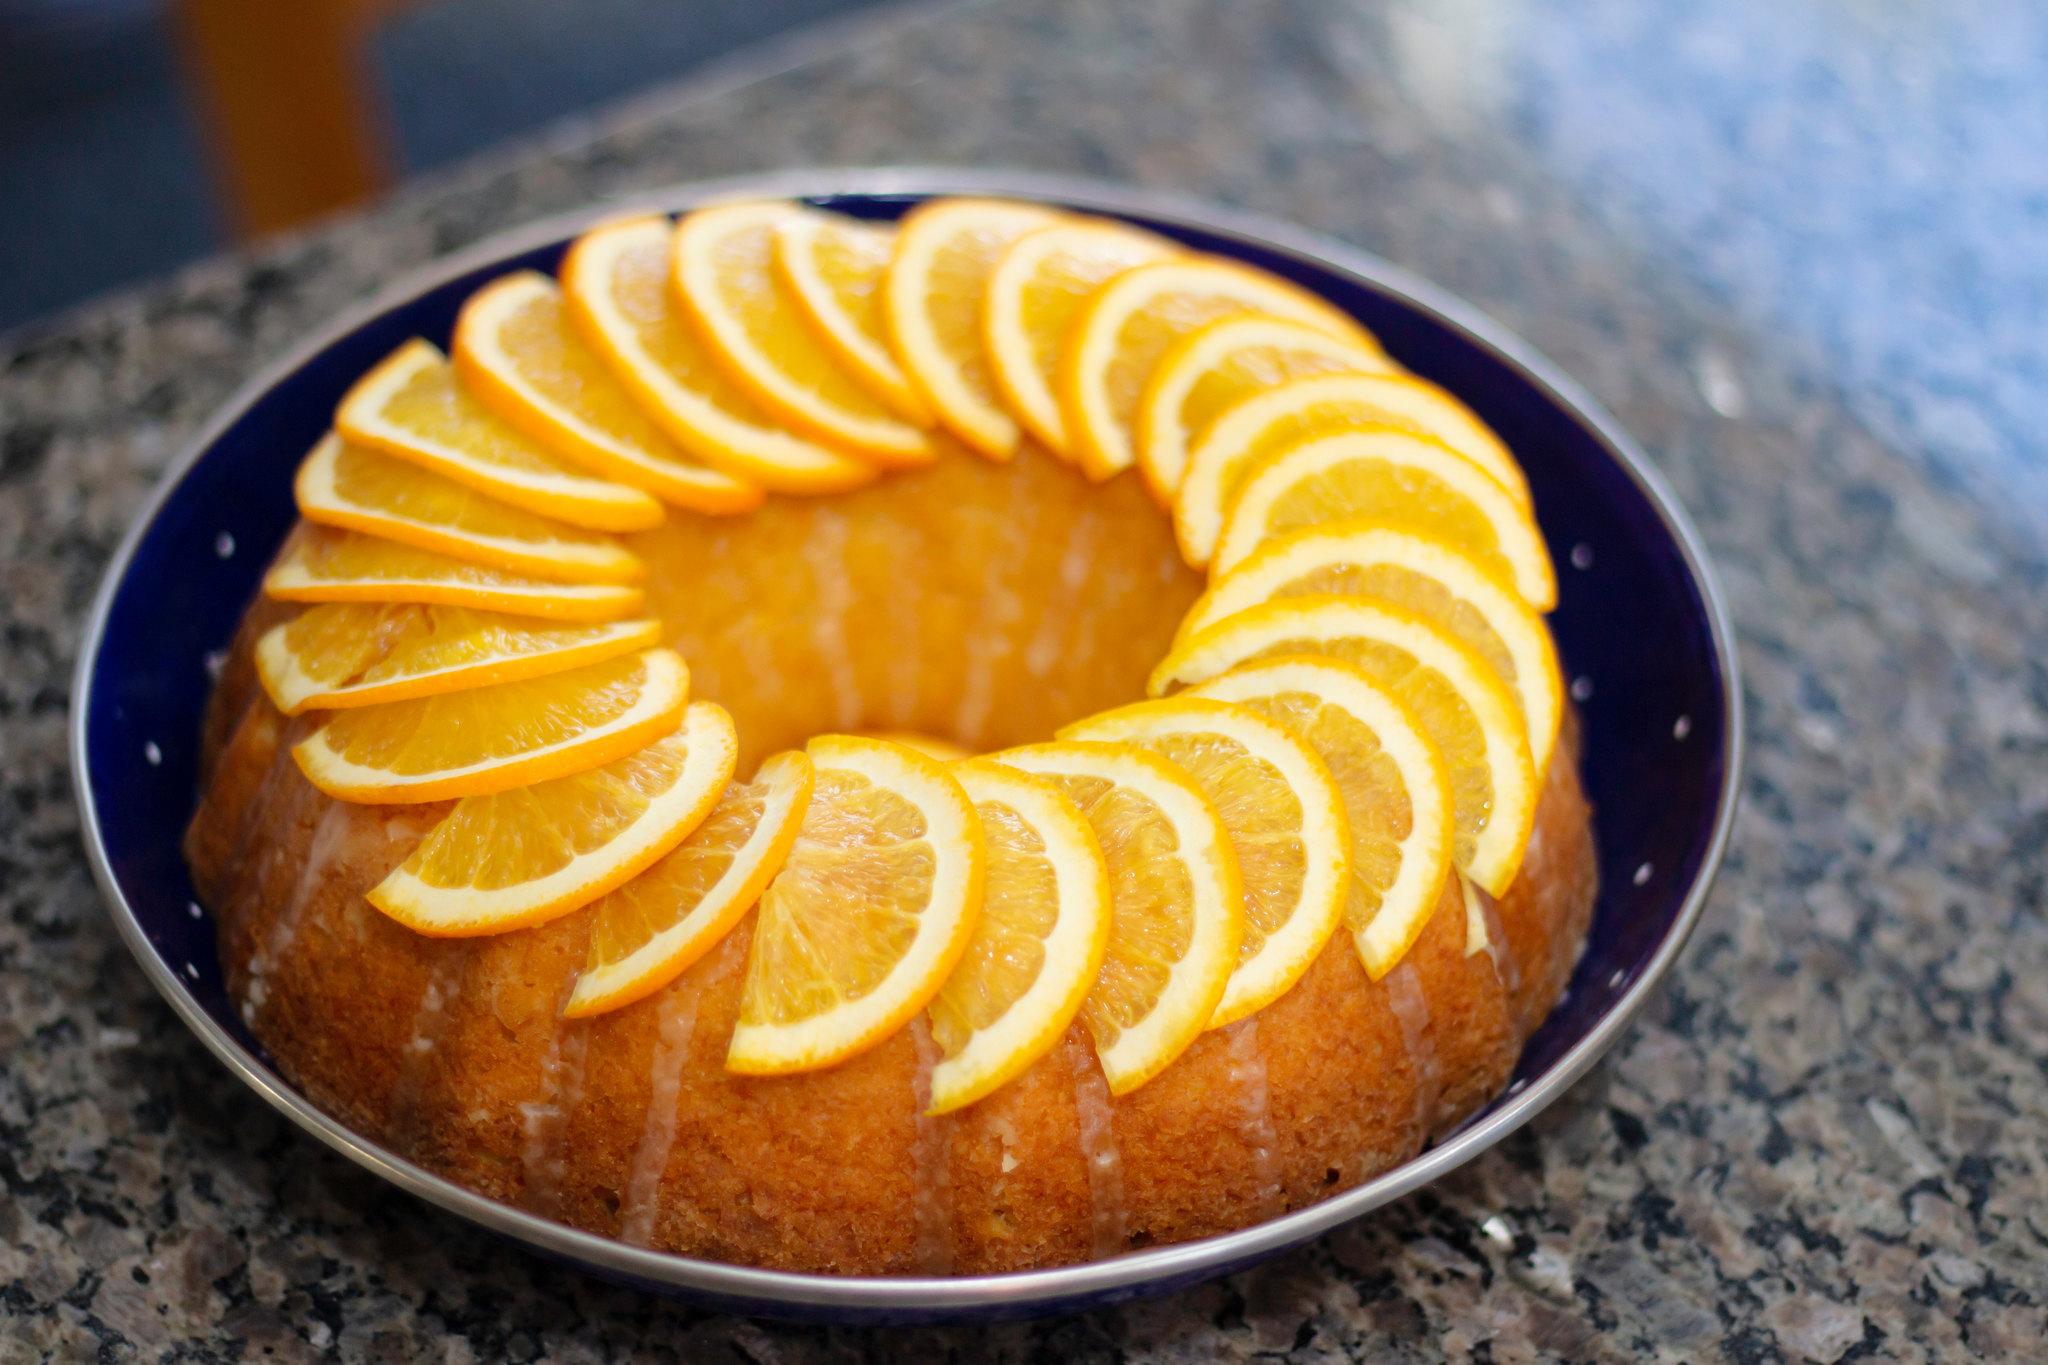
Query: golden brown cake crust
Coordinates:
[452,1052]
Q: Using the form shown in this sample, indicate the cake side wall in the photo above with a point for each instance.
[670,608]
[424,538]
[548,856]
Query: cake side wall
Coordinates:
[452,1053]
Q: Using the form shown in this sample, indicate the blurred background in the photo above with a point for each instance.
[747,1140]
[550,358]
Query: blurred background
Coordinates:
[136,135]
[1863,177]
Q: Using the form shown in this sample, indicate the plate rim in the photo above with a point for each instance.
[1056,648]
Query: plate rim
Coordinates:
[927,1297]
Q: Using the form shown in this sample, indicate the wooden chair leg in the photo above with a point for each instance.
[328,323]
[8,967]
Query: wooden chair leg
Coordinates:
[284,92]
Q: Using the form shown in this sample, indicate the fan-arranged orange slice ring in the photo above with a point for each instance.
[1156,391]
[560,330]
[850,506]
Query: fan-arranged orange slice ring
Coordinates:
[342,655]
[648,931]
[1064,998]
[1176,901]
[1397,477]
[415,408]
[1128,325]
[617,281]
[516,349]
[1419,573]
[1035,292]
[322,564]
[1284,816]
[871,910]
[354,489]
[578,836]
[1039,941]
[834,266]
[724,263]
[1465,709]
[491,739]
[1258,426]
[932,302]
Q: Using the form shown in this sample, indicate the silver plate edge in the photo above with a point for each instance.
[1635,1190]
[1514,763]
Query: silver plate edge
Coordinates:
[965,1295]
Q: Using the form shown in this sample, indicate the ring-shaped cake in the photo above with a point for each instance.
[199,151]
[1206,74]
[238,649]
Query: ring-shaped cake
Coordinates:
[794,452]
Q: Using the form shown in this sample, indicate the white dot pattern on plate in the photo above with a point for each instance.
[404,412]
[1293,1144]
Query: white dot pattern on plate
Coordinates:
[1582,688]
[1582,556]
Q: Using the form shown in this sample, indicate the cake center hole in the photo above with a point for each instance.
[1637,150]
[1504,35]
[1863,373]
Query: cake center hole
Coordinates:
[978,604]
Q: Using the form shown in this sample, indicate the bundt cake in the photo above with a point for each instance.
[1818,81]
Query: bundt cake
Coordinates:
[950,746]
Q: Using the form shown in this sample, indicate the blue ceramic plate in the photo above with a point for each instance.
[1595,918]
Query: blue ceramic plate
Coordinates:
[1641,627]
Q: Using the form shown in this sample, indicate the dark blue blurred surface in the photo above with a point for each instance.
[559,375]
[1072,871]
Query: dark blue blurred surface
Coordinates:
[103,177]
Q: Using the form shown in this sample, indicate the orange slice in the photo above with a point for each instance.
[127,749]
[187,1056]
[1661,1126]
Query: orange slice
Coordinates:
[1285,819]
[616,281]
[1039,942]
[355,489]
[932,301]
[1398,478]
[724,263]
[1247,433]
[649,930]
[491,739]
[1229,360]
[347,654]
[525,856]
[834,266]
[412,406]
[320,564]
[1467,712]
[1427,576]
[873,907]
[944,750]
[1176,901]
[515,349]
[1396,792]
[1034,295]
[1127,326]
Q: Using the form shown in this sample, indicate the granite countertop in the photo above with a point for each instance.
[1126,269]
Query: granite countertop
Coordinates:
[1799,247]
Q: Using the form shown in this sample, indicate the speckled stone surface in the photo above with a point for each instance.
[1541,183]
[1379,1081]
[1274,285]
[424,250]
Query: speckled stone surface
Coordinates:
[1797,247]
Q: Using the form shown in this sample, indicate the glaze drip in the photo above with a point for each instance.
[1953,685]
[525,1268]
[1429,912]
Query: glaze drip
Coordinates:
[546,1119]
[1411,1012]
[284,930]
[262,806]
[1255,1113]
[1506,970]
[1004,611]
[658,1135]
[429,1022]
[826,554]
[1099,1153]
[642,1196]
[904,672]
[1049,644]
[932,1163]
